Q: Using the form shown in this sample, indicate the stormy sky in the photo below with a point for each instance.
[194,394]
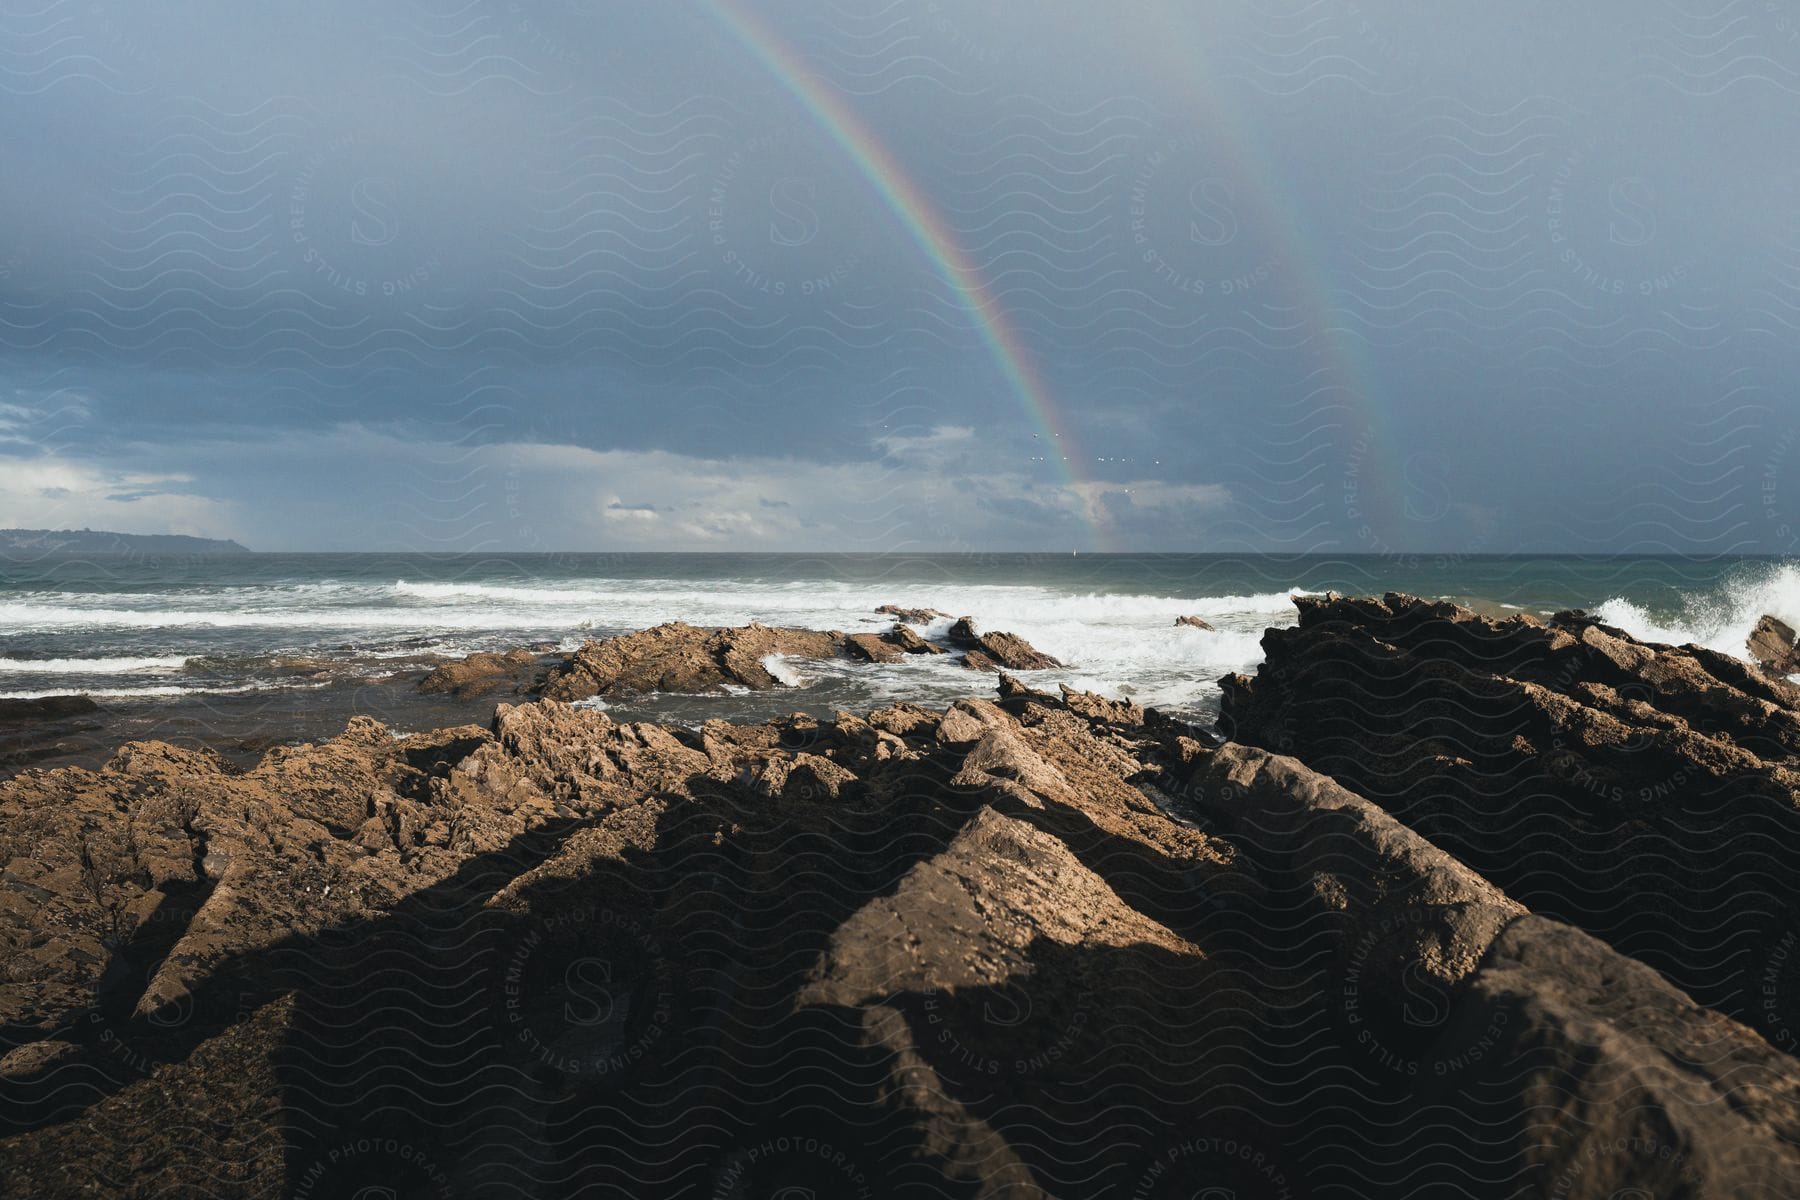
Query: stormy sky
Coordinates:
[1284,276]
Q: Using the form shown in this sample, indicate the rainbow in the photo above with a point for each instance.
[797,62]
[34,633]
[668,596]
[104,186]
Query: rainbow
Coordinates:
[1367,436]
[929,230]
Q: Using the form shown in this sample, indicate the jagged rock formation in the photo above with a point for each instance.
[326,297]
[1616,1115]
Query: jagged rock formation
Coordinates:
[997,651]
[891,646]
[678,657]
[911,616]
[1772,647]
[682,658]
[873,647]
[1028,946]
[1646,794]
[910,642]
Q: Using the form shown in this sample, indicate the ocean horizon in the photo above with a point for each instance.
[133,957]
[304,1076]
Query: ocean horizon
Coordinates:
[234,651]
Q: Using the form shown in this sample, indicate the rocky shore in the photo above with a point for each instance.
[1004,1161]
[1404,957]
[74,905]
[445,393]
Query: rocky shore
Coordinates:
[1446,905]
[678,657]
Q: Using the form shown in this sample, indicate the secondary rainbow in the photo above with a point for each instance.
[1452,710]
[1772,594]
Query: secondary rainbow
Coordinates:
[926,227]
[1368,437]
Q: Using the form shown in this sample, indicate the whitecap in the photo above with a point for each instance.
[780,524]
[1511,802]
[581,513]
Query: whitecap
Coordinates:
[90,666]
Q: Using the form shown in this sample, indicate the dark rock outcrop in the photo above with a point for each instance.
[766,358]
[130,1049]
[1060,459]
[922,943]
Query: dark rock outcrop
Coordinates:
[1771,646]
[44,727]
[677,657]
[997,651]
[909,641]
[891,646]
[911,616]
[516,672]
[1647,794]
[872,647]
[1027,946]
[1194,622]
[45,708]
[682,658]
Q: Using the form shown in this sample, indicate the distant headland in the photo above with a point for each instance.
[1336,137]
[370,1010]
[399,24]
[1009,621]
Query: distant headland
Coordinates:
[33,543]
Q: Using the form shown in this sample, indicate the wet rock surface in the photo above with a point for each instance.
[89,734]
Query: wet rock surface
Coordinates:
[45,727]
[45,708]
[516,672]
[1028,945]
[910,641]
[912,616]
[1771,646]
[688,660]
[678,657]
[997,651]
[892,646]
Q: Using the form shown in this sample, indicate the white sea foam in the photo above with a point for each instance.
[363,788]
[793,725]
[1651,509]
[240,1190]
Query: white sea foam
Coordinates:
[473,606]
[782,668]
[496,593]
[1719,621]
[1111,642]
[135,693]
[35,618]
[90,666]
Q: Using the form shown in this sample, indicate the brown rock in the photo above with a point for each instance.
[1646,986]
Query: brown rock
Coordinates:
[872,647]
[890,646]
[1772,647]
[1002,941]
[211,1122]
[1001,754]
[1007,949]
[1676,1100]
[175,847]
[677,657]
[803,777]
[911,616]
[977,660]
[968,720]
[909,641]
[1624,786]
[997,651]
[515,672]
[1414,912]
[1094,707]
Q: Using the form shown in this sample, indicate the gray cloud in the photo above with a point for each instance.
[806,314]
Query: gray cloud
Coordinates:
[1314,276]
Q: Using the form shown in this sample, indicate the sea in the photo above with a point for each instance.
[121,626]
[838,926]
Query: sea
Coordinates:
[244,652]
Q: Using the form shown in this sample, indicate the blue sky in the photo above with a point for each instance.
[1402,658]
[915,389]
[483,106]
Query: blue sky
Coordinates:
[1313,275]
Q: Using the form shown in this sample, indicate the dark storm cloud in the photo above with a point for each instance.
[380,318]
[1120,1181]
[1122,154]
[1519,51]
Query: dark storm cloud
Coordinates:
[1318,275]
